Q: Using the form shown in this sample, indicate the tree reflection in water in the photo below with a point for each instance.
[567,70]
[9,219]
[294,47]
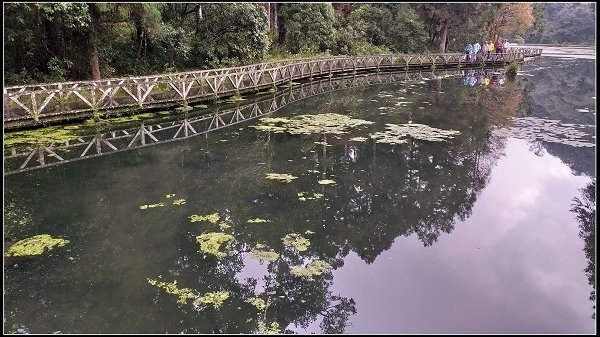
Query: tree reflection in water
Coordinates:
[586,215]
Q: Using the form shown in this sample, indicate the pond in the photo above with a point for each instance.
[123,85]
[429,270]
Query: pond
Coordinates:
[449,203]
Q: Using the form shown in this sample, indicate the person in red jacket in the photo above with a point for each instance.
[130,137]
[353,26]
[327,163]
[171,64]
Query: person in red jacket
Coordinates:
[498,45]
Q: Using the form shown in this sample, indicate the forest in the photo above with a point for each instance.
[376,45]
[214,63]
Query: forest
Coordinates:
[52,42]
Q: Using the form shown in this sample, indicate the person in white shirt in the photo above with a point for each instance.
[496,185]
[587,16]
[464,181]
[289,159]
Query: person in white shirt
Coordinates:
[505,46]
[476,48]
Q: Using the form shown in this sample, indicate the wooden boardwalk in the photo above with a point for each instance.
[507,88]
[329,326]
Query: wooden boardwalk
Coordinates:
[31,105]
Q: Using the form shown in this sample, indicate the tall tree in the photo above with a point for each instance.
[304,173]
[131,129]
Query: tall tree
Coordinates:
[308,25]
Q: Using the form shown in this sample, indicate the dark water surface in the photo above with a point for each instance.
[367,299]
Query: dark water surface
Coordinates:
[477,234]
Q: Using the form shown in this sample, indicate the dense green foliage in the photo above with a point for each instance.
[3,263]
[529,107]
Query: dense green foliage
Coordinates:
[49,42]
[570,23]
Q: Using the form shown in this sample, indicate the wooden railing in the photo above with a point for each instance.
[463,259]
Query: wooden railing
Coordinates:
[21,158]
[33,104]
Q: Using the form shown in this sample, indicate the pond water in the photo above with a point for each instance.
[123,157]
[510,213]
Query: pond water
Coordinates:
[477,233]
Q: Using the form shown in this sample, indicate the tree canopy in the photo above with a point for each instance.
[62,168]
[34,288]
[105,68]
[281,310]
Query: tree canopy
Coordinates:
[49,42]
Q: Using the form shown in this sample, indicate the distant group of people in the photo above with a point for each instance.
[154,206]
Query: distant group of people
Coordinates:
[471,78]
[487,50]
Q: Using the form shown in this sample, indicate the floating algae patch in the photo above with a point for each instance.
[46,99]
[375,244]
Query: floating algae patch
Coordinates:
[224,225]
[259,303]
[396,133]
[309,124]
[212,242]
[179,202]
[214,299]
[35,245]
[315,268]
[234,99]
[258,220]
[326,182]
[265,329]
[263,255]
[44,136]
[303,196]
[160,204]
[171,288]
[170,196]
[297,241]
[282,177]
[212,218]
[550,130]
[313,171]
[358,139]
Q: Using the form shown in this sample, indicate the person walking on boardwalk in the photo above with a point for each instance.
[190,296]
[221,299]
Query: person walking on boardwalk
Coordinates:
[468,51]
[490,48]
[484,50]
[476,49]
[498,45]
[505,46]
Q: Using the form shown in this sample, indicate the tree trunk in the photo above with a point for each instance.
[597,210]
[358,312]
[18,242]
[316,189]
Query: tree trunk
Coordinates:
[273,20]
[94,63]
[443,37]
[93,40]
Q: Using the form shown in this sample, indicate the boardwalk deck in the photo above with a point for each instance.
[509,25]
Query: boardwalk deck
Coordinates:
[31,105]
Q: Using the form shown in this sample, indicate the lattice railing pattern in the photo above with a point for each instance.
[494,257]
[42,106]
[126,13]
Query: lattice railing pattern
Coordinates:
[68,99]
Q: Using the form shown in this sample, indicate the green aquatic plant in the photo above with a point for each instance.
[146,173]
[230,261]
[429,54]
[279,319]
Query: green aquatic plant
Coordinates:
[282,177]
[326,182]
[179,202]
[263,255]
[235,98]
[303,196]
[315,268]
[160,204]
[309,124]
[171,288]
[212,242]
[297,241]
[214,299]
[212,218]
[551,131]
[35,245]
[44,136]
[258,220]
[259,303]
[396,133]
[170,195]
[273,329]
[224,225]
